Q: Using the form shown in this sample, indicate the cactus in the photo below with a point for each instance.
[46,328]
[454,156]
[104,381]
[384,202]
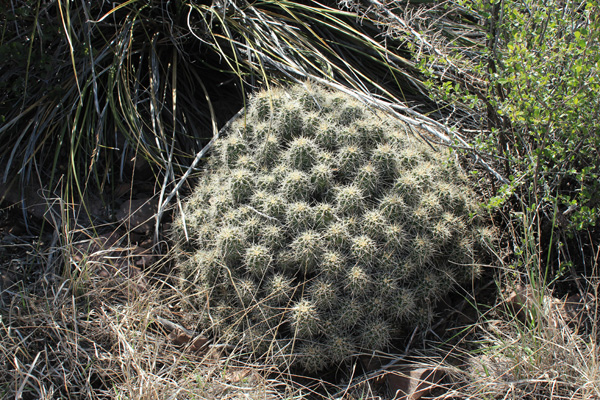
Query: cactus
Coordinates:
[321,228]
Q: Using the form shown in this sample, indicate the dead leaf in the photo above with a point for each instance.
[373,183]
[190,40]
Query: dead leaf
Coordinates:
[242,376]
[412,384]
[199,344]
[179,337]
[572,311]
[521,301]
[112,261]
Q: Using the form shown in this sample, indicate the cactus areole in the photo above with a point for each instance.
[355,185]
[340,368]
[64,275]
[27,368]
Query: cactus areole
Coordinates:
[321,229]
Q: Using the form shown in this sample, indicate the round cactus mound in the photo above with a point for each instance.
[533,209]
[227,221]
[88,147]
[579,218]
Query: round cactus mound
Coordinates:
[322,228]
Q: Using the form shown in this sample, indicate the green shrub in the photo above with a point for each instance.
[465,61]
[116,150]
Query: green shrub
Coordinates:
[337,241]
[534,93]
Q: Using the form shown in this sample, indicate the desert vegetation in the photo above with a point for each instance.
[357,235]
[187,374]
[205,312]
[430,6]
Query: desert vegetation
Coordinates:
[320,228]
[200,196]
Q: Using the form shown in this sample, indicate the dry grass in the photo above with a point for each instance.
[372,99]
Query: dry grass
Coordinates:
[67,331]
[95,337]
[538,353]
[84,335]
[56,345]
[501,356]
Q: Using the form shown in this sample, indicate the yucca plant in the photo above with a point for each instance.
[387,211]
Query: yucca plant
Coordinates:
[88,87]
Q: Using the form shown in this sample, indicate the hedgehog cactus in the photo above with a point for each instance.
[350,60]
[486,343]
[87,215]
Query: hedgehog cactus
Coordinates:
[321,228]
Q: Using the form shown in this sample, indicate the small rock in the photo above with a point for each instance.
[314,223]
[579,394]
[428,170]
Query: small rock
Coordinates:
[138,215]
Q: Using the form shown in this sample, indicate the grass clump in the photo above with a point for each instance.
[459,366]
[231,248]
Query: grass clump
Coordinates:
[336,230]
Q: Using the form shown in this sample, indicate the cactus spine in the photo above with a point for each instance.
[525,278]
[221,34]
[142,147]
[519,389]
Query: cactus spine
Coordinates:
[321,228]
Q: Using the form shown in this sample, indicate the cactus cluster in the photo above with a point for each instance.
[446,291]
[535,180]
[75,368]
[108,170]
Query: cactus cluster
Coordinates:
[321,228]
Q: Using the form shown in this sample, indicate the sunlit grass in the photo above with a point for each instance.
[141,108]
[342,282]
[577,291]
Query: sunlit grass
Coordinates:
[87,89]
